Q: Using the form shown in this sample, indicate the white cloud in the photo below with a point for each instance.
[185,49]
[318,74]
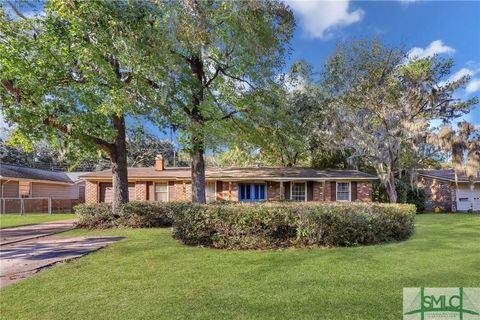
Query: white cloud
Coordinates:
[473,86]
[320,18]
[436,47]
[407,1]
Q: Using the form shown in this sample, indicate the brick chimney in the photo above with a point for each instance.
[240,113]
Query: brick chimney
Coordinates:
[159,163]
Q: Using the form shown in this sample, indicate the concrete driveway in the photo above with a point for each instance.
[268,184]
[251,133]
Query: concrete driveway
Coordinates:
[26,250]
[22,233]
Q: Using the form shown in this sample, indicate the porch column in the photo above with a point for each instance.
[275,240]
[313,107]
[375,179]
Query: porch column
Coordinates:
[282,191]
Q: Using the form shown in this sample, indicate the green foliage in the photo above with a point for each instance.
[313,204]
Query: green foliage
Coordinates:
[276,131]
[382,104]
[98,215]
[405,193]
[78,77]
[219,54]
[130,215]
[417,197]
[261,226]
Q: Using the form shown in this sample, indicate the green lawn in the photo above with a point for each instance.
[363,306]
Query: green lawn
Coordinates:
[11,220]
[149,275]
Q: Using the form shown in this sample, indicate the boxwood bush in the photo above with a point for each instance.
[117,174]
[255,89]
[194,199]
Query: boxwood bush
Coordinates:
[271,225]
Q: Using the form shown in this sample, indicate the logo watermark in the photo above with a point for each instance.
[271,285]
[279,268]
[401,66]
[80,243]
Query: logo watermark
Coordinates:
[441,303]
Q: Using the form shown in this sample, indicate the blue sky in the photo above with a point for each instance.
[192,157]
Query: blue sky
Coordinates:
[448,28]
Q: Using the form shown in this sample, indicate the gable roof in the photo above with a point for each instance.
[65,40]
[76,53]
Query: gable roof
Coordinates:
[16,172]
[447,175]
[272,173]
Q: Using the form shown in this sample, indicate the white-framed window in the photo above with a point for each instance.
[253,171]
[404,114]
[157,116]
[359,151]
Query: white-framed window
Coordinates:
[299,191]
[211,191]
[343,191]
[161,191]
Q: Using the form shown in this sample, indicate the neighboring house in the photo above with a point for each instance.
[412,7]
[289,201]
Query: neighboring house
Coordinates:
[16,182]
[443,192]
[235,184]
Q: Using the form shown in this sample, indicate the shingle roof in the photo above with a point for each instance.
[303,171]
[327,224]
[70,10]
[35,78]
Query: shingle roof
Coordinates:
[239,173]
[448,175]
[13,171]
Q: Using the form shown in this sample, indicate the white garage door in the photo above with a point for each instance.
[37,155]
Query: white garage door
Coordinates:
[468,199]
[476,199]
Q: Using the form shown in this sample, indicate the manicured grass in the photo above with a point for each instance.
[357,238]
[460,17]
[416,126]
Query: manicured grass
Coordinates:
[12,220]
[149,275]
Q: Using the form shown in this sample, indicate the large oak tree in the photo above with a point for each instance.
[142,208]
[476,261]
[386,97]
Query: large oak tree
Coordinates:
[76,72]
[221,52]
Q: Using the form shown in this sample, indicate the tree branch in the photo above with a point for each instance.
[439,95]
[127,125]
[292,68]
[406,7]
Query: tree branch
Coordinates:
[52,123]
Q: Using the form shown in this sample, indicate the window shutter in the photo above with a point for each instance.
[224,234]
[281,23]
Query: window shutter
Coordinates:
[309,190]
[286,185]
[333,191]
[353,187]
[151,191]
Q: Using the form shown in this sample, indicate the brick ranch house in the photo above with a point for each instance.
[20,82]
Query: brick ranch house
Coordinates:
[64,190]
[235,184]
[442,191]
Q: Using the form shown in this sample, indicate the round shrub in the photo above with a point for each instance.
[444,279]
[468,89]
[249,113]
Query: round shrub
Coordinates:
[273,225]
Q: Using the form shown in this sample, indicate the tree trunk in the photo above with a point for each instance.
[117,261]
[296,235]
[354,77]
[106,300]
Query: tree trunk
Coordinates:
[390,186]
[198,175]
[118,157]
[197,130]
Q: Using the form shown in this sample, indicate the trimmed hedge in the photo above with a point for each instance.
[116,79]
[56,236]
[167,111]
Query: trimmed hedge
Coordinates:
[136,214]
[272,225]
[262,225]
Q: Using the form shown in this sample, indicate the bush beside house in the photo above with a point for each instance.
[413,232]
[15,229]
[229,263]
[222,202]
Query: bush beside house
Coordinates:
[262,225]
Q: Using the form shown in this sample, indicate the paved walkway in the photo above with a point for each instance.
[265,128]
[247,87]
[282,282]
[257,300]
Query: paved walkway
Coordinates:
[26,250]
[22,233]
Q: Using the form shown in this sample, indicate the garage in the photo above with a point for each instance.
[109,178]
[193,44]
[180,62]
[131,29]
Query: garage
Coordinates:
[468,199]
[106,192]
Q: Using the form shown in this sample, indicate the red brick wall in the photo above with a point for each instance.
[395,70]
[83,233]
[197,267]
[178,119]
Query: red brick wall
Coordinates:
[273,191]
[318,191]
[437,194]
[229,191]
[328,191]
[180,191]
[364,191]
[141,190]
[91,192]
